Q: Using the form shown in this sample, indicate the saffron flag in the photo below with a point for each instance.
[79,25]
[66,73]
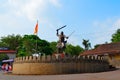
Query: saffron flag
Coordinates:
[36,29]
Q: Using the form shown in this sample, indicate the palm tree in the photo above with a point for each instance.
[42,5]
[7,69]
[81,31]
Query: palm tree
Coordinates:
[86,44]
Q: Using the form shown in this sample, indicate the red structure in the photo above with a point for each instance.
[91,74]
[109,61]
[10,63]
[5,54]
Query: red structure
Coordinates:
[8,51]
[110,49]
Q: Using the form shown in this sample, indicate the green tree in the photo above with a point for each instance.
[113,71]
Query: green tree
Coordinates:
[116,36]
[86,44]
[97,45]
[11,41]
[28,46]
[3,57]
[33,44]
[44,47]
[78,49]
[73,50]
[53,46]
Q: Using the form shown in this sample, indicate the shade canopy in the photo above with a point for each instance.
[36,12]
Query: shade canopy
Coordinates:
[9,60]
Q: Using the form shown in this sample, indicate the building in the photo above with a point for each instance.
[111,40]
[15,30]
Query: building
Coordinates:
[111,51]
[10,53]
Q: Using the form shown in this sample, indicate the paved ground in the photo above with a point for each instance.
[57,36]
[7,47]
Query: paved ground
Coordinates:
[111,75]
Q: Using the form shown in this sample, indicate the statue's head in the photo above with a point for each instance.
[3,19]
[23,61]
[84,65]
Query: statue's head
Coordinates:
[62,33]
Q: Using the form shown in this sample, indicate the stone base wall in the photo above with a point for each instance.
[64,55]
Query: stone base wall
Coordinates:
[46,65]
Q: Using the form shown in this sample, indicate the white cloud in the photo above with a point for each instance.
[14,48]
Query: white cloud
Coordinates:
[31,9]
[116,24]
[19,17]
[105,29]
[56,3]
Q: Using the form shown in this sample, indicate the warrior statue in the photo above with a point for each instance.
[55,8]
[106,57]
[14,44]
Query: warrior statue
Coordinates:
[61,45]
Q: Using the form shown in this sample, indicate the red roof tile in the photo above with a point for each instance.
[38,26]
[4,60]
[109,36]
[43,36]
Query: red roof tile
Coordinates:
[111,48]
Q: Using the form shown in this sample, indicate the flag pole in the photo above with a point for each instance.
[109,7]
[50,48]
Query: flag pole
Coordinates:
[36,33]
[36,37]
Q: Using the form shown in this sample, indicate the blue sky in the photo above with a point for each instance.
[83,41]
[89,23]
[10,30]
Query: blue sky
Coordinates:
[95,20]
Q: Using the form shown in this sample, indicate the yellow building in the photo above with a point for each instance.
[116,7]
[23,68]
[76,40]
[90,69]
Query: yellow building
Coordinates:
[111,51]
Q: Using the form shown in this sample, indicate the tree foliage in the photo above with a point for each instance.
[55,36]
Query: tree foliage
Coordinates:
[44,47]
[73,50]
[33,44]
[53,46]
[86,44]
[11,41]
[116,36]
[26,45]
[3,57]
[96,46]
[29,44]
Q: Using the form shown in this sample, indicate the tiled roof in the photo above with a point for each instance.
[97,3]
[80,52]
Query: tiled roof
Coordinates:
[8,51]
[111,48]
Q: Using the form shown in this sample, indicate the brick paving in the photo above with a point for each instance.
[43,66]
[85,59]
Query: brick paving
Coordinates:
[111,75]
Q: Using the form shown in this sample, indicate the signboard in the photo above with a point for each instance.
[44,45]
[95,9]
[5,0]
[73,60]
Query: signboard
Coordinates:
[4,48]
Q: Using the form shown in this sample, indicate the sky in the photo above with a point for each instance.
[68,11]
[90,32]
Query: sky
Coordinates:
[93,20]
